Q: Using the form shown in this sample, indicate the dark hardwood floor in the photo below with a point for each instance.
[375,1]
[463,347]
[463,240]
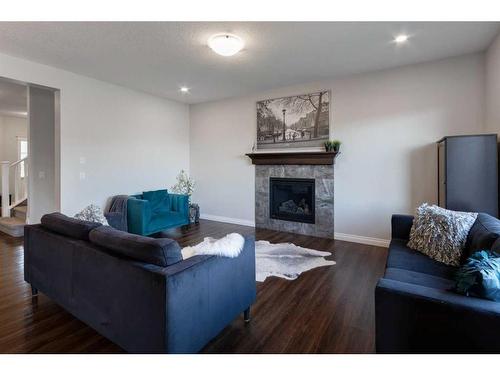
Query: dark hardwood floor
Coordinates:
[326,310]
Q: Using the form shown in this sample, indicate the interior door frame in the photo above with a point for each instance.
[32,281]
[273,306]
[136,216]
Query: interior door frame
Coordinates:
[57,142]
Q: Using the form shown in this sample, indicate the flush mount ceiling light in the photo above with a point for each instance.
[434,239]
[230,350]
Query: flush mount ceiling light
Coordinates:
[226,44]
[184,89]
[400,39]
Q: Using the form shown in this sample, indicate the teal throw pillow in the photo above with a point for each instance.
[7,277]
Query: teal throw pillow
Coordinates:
[480,276]
[158,199]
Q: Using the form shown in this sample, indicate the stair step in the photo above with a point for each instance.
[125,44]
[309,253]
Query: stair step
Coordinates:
[20,212]
[13,226]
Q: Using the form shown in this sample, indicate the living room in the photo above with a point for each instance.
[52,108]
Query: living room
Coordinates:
[250,187]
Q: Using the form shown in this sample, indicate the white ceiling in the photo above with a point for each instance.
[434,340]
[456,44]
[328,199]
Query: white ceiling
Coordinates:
[13,99]
[159,57]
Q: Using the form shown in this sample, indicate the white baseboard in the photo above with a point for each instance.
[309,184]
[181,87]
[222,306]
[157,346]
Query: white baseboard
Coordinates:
[338,236]
[361,239]
[230,220]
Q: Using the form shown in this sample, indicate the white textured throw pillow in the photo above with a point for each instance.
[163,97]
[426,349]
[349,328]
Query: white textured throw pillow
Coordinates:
[92,213]
[440,233]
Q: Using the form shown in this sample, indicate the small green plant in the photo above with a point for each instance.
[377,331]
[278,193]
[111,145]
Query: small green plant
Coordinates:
[332,145]
[336,145]
[184,185]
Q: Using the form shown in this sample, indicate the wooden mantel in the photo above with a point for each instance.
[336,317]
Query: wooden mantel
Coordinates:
[297,158]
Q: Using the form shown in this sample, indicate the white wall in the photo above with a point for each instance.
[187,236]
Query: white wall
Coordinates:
[493,87]
[11,128]
[388,121]
[42,143]
[123,140]
[126,141]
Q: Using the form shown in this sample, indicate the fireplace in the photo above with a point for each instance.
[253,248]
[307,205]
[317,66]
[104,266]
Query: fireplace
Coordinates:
[292,199]
[303,180]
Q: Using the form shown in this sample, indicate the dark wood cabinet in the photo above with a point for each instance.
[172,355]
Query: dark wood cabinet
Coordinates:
[468,173]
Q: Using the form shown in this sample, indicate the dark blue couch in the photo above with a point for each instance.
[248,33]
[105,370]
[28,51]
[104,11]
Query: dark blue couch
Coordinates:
[416,310]
[94,272]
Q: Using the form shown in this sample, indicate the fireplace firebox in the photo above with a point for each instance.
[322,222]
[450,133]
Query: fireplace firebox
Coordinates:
[292,199]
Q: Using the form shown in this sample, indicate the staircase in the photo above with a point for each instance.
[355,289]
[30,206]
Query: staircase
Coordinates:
[13,226]
[14,204]
[20,212]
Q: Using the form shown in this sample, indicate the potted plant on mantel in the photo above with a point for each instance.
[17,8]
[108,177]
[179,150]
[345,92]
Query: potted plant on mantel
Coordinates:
[185,185]
[333,145]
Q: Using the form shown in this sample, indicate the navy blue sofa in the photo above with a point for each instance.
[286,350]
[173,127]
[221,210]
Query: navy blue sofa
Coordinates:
[135,290]
[416,310]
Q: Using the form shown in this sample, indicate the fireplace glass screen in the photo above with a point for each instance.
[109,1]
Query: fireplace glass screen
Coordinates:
[292,199]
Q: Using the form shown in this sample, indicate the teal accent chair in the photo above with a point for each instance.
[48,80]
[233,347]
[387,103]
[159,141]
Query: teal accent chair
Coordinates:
[155,211]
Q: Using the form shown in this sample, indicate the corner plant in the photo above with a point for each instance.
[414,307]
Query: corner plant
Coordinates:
[184,185]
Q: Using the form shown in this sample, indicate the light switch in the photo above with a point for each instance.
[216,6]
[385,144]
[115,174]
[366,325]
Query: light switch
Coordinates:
[41,175]
[83,176]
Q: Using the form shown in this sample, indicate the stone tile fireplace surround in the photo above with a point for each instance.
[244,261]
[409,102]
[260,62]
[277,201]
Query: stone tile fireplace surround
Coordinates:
[323,175]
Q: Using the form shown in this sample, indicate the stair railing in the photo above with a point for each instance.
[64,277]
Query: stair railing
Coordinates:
[19,170]
[5,189]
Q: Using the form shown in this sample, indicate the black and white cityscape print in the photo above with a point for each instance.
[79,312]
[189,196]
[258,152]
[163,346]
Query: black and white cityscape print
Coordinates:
[293,121]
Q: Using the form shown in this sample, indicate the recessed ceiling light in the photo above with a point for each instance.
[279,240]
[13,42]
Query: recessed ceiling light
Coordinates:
[402,38]
[184,89]
[226,44]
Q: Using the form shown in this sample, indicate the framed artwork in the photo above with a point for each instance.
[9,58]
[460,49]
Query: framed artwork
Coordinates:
[294,121]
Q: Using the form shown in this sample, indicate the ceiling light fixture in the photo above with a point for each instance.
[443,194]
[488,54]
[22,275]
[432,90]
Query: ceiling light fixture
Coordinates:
[184,90]
[226,44]
[403,38]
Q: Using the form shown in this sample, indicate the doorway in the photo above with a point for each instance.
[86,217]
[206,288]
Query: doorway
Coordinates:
[29,154]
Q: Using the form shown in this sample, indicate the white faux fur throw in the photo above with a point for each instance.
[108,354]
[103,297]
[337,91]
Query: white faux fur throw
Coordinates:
[229,246]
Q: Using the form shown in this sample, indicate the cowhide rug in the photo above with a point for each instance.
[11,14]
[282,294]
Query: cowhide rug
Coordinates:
[286,260]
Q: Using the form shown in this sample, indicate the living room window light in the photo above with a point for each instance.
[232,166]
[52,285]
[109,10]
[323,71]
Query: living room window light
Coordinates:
[22,152]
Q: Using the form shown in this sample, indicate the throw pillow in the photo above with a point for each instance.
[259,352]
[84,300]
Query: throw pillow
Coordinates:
[480,276]
[158,199]
[440,234]
[92,213]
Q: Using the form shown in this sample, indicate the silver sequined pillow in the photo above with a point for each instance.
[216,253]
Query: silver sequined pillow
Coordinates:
[92,213]
[440,234]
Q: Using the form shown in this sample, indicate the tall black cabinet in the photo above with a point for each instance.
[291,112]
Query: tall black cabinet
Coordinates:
[468,173]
